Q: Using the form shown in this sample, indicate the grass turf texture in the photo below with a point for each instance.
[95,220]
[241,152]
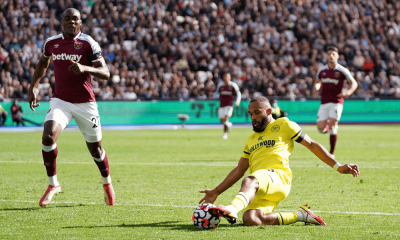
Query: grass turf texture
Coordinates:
[157,174]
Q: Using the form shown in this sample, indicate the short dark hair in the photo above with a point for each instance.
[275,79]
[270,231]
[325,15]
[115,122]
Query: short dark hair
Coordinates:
[261,99]
[332,48]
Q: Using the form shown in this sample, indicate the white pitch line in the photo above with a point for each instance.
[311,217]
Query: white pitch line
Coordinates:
[175,206]
[188,164]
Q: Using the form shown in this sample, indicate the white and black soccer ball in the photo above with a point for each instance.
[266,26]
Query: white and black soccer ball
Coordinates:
[202,219]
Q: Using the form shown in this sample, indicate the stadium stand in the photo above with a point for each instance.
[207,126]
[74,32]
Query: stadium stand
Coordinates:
[179,49]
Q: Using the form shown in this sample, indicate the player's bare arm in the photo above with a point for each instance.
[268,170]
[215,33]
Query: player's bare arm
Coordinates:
[99,69]
[234,176]
[40,71]
[353,87]
[324,155]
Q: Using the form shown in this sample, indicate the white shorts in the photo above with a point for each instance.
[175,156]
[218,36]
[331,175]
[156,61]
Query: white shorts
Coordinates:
[225,111]
[330,110]
[86,116]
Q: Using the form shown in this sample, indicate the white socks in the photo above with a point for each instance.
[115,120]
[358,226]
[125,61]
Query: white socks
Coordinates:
[232,209]
[300,214]
[333,131]
[106,180]
[53,181]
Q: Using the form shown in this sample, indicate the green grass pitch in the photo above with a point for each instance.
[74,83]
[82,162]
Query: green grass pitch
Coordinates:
[157,175]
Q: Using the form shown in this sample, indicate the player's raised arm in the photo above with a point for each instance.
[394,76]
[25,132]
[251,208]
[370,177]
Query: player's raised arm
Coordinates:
[327,158]
[237,173]
[40,71]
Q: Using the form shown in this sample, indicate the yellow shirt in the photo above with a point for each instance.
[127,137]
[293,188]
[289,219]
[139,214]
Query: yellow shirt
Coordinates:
[272,147]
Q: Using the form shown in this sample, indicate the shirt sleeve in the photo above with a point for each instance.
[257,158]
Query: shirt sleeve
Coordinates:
[246,151]
[96,52]
[316,76]
[45,50]
[237,91]
[294,132]
[347,73]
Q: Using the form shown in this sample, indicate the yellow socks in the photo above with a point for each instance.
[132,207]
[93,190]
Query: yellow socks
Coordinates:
[240,201]
[287,218]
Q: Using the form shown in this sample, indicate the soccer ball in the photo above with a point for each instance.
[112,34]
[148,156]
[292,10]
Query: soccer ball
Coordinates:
[202,219]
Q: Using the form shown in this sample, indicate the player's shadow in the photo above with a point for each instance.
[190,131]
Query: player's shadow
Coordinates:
[172,225]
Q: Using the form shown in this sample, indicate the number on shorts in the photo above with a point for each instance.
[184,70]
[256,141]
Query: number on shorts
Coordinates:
[96,122]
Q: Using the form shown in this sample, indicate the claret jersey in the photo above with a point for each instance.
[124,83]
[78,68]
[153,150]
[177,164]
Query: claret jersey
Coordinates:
[227,93]
[332,82]
[70,87]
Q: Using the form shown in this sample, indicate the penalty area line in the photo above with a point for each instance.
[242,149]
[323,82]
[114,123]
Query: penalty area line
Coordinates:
[175,206]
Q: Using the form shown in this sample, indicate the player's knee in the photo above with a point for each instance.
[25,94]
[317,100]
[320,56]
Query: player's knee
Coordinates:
[48,139]
[250,181]
[95,152]
[250,219]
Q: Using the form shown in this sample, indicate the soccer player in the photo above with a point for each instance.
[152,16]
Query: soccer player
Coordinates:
[76,56]
[330,79]
[276,110]
[227,92]
[267,153]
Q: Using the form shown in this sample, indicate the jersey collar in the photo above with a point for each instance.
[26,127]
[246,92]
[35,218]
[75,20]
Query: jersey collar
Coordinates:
[75,37]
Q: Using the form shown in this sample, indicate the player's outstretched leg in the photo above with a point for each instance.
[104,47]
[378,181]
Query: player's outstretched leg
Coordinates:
[255,217]
[241,201]
[229,213]
[102,164]
[49,157]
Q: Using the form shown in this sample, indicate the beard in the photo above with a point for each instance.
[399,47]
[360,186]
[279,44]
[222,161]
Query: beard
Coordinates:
[261,125]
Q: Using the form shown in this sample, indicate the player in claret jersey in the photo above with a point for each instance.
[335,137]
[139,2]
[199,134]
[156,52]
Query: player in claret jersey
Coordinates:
[227,91]
[76,56]
[330,79]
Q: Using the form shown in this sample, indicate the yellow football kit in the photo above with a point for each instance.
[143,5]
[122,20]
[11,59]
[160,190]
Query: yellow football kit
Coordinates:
[268,153]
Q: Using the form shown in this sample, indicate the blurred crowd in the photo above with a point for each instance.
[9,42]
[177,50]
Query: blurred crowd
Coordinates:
[179,49]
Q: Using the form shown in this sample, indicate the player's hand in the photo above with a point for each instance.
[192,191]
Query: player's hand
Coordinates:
[210,197]
[76,68]
[237,104]
[343,95]
[349,169]
[32,100]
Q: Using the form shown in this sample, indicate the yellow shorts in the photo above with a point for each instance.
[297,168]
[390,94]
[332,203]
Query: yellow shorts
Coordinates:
[273,188]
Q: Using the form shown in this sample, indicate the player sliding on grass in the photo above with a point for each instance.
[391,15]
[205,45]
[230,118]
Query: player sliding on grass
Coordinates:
[76,56]
[267,153]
